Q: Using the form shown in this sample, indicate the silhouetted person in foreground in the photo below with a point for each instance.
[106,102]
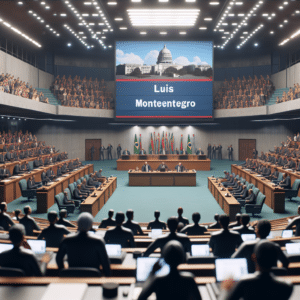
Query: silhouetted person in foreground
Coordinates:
[262,284]
[215,225]
[109,221]
[157,224]
[176,285]
[62,219]
[160,242]
[180,218]
[130,224]
[5,220]
[194,229]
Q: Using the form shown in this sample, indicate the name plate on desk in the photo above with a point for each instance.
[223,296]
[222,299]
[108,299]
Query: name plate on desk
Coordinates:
[183,156]
[142,156]
[125,157]
[202,157]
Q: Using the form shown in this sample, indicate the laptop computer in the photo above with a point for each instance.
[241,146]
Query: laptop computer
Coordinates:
[115,254]
[38,247]
[292,248]
[5,247]
[155,233]
[248,237]
[144,266]
[200,250]
[287,233]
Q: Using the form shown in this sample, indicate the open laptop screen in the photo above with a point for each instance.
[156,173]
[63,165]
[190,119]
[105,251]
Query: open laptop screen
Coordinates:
[113,250]
[37,246]
[287,233]
[200,250]
[292,248]
[248,237]
[233,268]
[155,233]
[5,247]
[144,266]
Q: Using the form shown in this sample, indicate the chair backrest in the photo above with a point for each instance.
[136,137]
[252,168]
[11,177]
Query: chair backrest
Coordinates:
[80,272]
[11,272]
[78,181]
[82,178]
[243,180]
[280,176]
[59,199]
[237,177]
[233,174]
[260,199]
[23,185]
[296,185]
[86,177]
[71,188]
[250,186]
[69,193]
[255,191]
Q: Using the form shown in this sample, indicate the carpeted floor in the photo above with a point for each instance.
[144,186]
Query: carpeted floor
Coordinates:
[145,200]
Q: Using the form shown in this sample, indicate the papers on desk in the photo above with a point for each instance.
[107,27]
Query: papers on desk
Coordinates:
[258,175]
[65,291]
[6,180]
[247,170]
[290,170]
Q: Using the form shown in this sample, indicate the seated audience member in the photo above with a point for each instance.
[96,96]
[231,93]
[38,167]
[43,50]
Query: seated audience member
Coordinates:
[19,257]
[31,185]
[290,165]
[78,194]
[133,226]
[83,249]
[215,225]
[243,194]
[5,220]
[294,222]
[91,182]
[162,166]
[194,229]
[266,172]
[146,167]
[109,221]
[126,152]
[180,168]
[160,242]
[58,171]
[62,219]
[237,190]
[66,200]
[199,152]
[45,178]
[286,182]
[229,182]
[180,218]
[237,222]
[4,173]
[64,169]
[99,176]
[86,188]
[54,233]
[157,224]
[28,222]
[119,234]
[17,169]
[50,174]
[17,214]
[244,228]
[251,198]
[262,284]
[176,285]
[224,242]
[274,175]
[262,230]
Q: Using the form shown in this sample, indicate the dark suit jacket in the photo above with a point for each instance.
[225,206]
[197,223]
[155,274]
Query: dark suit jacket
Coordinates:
[286,184]
[193,230]
[65,222]
[161,166]
[29,224]
[160,242]
[83,250]
[124,152]
[243,194]
[21,258]
[182,168]
[243,229]
[107,222]
[267,284]
[6,221]
[144,168]
[295,222]
[120,235]
[53,235]
[143,152]
[157,224]
[78,195]
[224,243]
[134,227]
[251,199]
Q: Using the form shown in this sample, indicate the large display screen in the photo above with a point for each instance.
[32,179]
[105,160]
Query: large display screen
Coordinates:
[157,79]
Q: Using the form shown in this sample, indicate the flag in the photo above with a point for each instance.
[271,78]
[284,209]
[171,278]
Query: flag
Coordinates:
[194,143]
[141,142]
[158,143]
[189,146]
[163,141]
[152,144]
[181,144]
[136,145]
[167,143]
[172,144]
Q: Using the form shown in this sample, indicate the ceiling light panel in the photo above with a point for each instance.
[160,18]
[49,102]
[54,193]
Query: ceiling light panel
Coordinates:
[163,17]
[293,36]
[250,35]
[19,32]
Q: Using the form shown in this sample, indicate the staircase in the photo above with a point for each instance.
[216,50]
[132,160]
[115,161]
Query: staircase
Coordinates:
[277,93]
[49,95]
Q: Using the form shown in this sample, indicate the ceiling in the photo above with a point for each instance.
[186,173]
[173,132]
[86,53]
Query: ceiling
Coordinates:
[92,26]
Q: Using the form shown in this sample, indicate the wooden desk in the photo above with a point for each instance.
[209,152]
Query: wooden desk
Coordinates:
[229,204]
[275,196]
[10,189]
[191,161]
[156,178]
[94,204]
[45,195]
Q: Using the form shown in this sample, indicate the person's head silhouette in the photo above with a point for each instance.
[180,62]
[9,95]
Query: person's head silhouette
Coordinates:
[172,224]
[173,254]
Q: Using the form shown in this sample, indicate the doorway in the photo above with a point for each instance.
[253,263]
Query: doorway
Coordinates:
[88,146]
[246,148]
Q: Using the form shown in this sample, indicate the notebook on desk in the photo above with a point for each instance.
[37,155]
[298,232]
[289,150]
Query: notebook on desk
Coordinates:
[155,233]
[287,233]
[200,254]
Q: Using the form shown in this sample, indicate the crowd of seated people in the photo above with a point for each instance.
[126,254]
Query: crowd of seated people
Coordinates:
[292,94]
[251,92]
[14,86]
[83,249]
[84,93]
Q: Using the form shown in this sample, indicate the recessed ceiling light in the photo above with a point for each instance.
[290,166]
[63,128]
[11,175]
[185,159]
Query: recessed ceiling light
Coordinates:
[20,3]
[123,28]
[271,32]
[63,15]
[280,7]
[207,19]
[214,3]
[241,15]
[182,32]
[163,32]
[87,3]
[143,32]
[285,21]
[239,3]
[136,0]
[69,44]
[47,7]
[163,0]
[190,0]
[111,3]
[85,15]
[256,44]
[202,28]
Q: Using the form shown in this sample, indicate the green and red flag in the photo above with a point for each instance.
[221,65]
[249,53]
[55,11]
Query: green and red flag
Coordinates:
[152,144]
[163,141]
[189,145]
[141,142]
[172,144]
[181,143]
[136,145]
[158,143]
